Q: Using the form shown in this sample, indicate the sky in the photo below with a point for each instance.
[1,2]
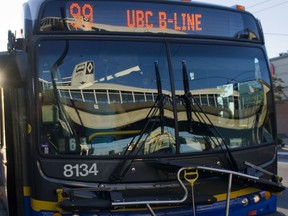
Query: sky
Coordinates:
[272,14]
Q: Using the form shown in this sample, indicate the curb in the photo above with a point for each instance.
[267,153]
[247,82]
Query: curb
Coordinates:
[282,153]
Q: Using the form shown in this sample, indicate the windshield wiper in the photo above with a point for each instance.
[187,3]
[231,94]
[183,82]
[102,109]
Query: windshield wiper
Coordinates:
[53,72]
[187,97]
[160,96]
[158,107]
[190,107]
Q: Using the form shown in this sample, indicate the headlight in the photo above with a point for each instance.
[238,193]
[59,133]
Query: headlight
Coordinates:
[256,198]
[245,201]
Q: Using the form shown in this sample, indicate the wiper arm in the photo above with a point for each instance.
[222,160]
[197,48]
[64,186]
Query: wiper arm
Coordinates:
[53,72]
[160,96]
[122,168]
[188,100]
[187,96]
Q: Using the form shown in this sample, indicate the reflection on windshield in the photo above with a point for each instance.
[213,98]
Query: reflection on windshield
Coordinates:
[116,97]
[231,86]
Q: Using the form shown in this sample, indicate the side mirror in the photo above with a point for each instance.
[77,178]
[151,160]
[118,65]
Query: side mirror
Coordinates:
[13,68]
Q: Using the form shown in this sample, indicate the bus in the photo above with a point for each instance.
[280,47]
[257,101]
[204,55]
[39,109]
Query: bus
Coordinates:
[140,107]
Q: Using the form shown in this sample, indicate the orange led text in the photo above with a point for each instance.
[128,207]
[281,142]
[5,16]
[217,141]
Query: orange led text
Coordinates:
[176,21]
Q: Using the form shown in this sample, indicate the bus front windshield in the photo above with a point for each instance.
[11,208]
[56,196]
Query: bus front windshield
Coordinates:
[112,98]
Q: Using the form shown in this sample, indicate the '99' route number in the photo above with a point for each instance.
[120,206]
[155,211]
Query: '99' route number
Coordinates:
[78,170]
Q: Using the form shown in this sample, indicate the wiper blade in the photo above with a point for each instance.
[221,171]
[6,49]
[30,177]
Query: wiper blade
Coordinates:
[187,96]
[158,107]
[160,96]
[53,72]
[188,101]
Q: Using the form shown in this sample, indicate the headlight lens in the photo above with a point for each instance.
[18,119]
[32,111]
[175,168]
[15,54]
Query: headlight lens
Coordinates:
[256,198]
[245,201]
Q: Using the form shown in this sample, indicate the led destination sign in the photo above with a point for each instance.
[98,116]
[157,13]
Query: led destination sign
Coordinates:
[182,22]
[145,17]
[84,17]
